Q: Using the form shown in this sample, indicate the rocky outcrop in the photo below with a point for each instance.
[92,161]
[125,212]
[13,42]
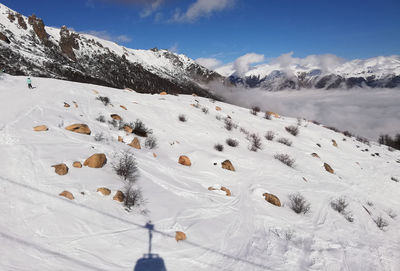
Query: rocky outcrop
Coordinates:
[4,38]
[272,199]
[180,236]
[184,160]
[21,21]
[61,169]
[228,165]
[79,128]
[67,194]
[68,42]
[38,27]
[40,128]
[97,160]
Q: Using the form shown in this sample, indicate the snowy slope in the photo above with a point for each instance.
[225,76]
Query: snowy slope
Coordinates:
[43,231]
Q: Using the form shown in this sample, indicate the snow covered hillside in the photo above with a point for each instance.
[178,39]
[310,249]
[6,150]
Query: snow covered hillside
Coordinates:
[28,47]
[235,229]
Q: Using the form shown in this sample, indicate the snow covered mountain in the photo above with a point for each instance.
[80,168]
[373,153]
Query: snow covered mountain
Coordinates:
[28,47]
[352,186]
[320,72]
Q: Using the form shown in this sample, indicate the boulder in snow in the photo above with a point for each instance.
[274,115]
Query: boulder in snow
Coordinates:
[328,168]
[79,128]
[227,165]
[103,190]
[272,199]
[119,196]
[66,105]
[40,128]
[97,160]
[61,169]
[67,195]
[334,143]
[163,93]
[135,143]
[226,190]
[77,164]
[315,155]
[115,117]
[184,160]
[180,236]
[218,108]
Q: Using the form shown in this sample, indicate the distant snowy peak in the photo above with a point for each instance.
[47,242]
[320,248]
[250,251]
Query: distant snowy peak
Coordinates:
[318,71]
[62,53]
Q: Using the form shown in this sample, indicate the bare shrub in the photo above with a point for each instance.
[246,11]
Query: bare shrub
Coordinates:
[255,142]
[270,135]
[196,105]
[140,129]
[232,142]
[284,141]
[340,206]
[363,140]
[99,137]
[182,118]
[347,133]
[299,121]
[151,142]
[299,204]
[126,167]
[316,122]
[267,115]
[105,100]
[229,124]
[244,131]
[133,197]
[391,213]
[381,222]
[333,129]
[205,110]
[101,118]
[395,179]
[294,130]
[219,147]
[115,123]
[285,158]
[254,110]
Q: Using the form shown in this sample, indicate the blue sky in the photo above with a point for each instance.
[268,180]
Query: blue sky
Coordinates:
[227,29]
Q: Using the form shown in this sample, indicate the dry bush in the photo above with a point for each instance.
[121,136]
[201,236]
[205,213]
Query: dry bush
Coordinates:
[299,204]
[285,158]
[219,147]
[126,167]
[229,124]
[105,100]
[151,142]
[285,141]
[99,137]
[270,135]
[140,129]
[340,206]
[244,131]
[363,140]
[294,130]
[133,197]
[101,118]
[255,142]
[232,142]
[205,110]
[254,110]
[381,222]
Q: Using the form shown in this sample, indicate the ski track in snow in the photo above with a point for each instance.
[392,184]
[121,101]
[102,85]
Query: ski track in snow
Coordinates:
[242,232]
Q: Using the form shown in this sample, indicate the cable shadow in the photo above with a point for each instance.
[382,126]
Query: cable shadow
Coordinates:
[234,258]
[150,261]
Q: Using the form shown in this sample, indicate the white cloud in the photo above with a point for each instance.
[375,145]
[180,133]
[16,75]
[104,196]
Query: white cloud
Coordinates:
[107,36]
[242,64]
[201,8]
[174,48]
[153,6]
[209,63]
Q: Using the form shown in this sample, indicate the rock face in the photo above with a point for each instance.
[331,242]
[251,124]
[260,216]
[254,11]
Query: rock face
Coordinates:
[21,21]
[119,196]
[40,128]
[103,190]
[77,164]
[227,165]
[68,42]
[97,160]
[328,168]
[67,195]
[115,117]
[180,236]
[135,143]
[61,169]
[79,128]
[272,199]
[4,38]
[184,160]
[38,27]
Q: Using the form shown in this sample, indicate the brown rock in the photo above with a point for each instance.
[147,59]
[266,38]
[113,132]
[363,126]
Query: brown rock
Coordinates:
[68,42]
[77,164]
[194,94]
[218,108]
[212,188]
[120,139]
[119,196]
[21,21]
[135,143]
[97,160]
[227,191]
[272,199]
[123,107]
[328,168]
[154,155]
[315,155]
[38,27]
[227,165]
[95,91]
[67,195]
[184,160]
[115,117]
[4,38]
[66,105]
[11,17]
[273,114]
[103,190]
[163,93]
[128,129]
[76,105]
[40,128]
[180,236]
[79,128]
[334,143]
[61,169]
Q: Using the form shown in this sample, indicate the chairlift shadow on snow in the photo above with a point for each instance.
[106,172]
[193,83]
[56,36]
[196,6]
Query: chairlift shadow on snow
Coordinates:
[150,261]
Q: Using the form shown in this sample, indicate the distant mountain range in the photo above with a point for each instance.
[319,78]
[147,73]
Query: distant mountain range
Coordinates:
[28,47]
